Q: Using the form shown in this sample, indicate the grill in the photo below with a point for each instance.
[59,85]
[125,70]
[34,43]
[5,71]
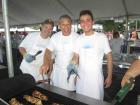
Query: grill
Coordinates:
[19,86]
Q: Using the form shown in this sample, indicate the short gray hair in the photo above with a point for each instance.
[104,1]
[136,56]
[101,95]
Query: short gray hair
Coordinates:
[65,17]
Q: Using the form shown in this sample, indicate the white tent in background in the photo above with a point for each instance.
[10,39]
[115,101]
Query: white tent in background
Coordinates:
[26,12]
[28,29]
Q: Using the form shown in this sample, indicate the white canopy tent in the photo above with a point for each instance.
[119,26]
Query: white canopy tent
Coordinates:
[26,12]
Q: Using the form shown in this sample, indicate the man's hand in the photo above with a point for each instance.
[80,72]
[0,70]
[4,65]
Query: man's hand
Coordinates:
[133,71]
[72,69]
[125,78]
[29,58]
[44,69]
[108,81]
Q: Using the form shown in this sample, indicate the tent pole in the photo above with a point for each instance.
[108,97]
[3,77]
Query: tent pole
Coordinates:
[127,35]
[126,17]
[126,28]
[8,39]
[136,25]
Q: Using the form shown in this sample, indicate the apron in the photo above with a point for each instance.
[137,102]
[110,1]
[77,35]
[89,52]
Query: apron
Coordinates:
[90,82]
[63,55]
[33,67]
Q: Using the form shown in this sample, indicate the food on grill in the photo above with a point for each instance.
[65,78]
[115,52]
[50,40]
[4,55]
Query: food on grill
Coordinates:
[39,95]
[14,101]
[33,100]
[56,103]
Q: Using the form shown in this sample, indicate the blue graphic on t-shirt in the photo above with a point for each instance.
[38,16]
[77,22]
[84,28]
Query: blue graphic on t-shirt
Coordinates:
[86,46]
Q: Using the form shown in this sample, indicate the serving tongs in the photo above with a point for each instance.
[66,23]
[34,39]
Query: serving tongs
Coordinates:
[43,79]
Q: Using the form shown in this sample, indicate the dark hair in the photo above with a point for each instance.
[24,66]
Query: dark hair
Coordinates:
[65,17]
[48,21]
[115,34]
[86,12]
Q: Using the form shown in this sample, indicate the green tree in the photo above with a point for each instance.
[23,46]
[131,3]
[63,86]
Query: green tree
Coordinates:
[132,24]
[110,25]
[120,26]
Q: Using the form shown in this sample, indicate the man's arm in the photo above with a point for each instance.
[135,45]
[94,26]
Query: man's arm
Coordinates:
[133,71]
[50,68]
[22,50]
[72,66]
[47,56]
[108,80]
[75,59]
[47,61]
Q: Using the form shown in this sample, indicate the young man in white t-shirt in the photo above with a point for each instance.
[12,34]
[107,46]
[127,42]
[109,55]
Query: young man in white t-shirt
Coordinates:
[89,50]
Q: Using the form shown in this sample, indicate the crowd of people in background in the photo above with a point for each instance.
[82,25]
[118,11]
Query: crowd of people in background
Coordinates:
[16,39]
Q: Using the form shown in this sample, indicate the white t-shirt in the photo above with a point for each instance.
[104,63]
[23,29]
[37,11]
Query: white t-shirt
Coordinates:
[62,48]
[98,40]
[34,43]
[91,50]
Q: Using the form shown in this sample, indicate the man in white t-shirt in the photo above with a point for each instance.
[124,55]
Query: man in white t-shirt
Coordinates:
[33,48]
[61,45]
[89,50]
